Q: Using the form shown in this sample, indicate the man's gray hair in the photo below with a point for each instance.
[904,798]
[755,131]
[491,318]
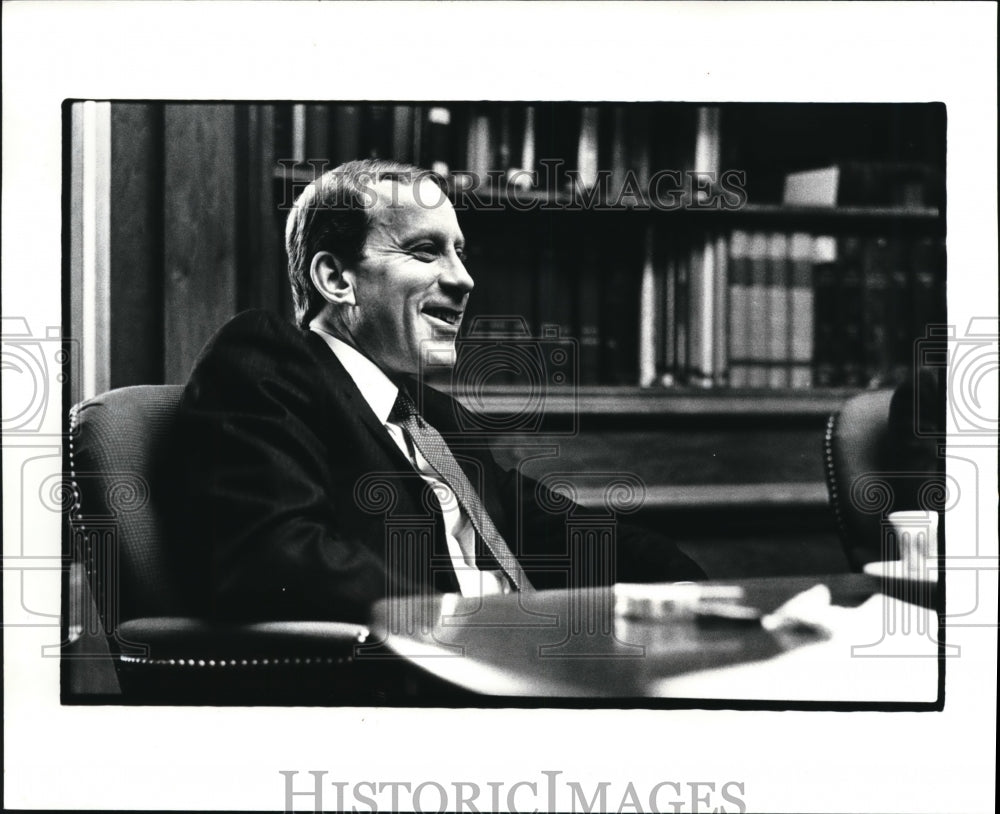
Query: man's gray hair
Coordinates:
[334,214]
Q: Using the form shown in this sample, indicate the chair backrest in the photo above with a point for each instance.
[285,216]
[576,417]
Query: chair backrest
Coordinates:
[856,446]
[117,462]
[875,463]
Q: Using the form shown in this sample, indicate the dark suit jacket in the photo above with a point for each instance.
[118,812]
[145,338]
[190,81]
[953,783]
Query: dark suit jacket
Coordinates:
[298,504]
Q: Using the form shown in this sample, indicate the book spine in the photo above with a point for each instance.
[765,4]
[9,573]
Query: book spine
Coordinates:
[850,311]
[554,299]
[929,301]
[318,137]
[377,131]
[682,304]
[638,161]
[826,343]
[801,309]
[283,132]
[504,142]
[703,311]
[546,146]
[618,158]
[567,130]
[901,296]
[588,298]
[417,147]
[757,316]
[707,154]
[720,327]
[587,147]
[479,147]
[648,308]
[619,317]
[877,310]
[402,133]
[527,165]
[437,141]
[778,305]
[739,334]
[298,140]
[563,127]
[693,369]
[669,372]
[345,135]
[662,321]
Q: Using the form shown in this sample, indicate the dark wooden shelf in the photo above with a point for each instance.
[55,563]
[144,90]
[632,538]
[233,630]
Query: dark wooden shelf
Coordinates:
[911,212]
[721,496]
[656,400]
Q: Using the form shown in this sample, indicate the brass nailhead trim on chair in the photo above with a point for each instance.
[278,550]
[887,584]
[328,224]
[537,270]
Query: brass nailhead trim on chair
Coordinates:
[74,421]
[831,479]
[229,663]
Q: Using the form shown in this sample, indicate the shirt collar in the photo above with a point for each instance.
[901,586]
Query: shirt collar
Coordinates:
[375,386]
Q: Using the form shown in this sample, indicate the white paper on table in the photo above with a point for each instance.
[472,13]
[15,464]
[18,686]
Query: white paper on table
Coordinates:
[881,651]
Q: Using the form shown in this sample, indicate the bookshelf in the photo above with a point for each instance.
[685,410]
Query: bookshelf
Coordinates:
[635,239]
[646,401]
[651,291]
[198,194]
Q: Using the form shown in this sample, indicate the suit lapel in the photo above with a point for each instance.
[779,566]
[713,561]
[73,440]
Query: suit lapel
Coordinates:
[344,391]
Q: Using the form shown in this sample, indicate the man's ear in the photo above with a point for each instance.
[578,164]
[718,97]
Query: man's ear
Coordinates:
[332,279]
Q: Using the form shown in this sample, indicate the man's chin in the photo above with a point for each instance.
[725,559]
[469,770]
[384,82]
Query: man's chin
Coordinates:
[437,354]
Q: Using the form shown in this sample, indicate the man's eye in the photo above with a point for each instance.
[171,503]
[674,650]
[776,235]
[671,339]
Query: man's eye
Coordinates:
[424,253]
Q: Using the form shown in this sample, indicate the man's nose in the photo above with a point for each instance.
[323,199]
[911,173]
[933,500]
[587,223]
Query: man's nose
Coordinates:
[456,277]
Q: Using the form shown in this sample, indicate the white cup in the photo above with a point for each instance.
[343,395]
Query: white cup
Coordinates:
[916,535]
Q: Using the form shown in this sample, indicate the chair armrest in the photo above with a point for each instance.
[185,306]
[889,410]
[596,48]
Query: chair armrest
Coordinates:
[180,660]
[169,637]
[181,638]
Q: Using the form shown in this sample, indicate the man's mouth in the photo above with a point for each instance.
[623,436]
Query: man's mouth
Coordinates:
[449,316]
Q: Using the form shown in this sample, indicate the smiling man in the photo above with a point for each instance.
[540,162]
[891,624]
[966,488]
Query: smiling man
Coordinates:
[403,295]
[318,474]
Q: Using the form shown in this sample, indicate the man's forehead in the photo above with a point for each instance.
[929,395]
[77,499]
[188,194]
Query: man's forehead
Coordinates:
[422,192]
[420,205]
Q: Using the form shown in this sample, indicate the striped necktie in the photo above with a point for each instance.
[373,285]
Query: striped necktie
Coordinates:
[434,449]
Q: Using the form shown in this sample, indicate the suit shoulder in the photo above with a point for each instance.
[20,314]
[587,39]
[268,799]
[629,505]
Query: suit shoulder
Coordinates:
[256,323]
[253,347]
[256,334]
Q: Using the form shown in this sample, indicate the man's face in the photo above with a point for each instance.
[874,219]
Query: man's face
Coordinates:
[411,286]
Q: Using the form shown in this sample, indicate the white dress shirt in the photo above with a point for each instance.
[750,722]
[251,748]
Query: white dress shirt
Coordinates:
[380,393]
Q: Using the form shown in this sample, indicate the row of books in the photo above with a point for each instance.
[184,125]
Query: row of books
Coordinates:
[563,280]
[755,309]
[743,309]
[794,310]
[549,146]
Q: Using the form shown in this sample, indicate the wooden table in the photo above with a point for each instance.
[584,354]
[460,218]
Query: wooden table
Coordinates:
[868,647]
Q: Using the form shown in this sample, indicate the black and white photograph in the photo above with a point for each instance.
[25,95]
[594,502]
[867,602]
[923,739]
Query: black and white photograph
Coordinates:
[664,339]
[357,409]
